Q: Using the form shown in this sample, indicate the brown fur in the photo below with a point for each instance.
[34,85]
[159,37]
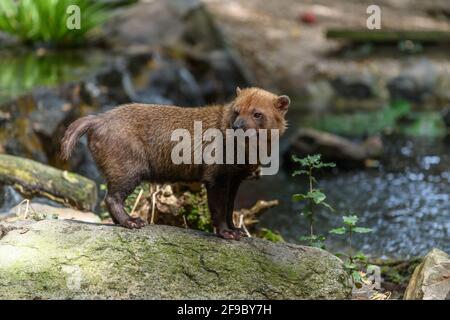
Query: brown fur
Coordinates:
[131,143]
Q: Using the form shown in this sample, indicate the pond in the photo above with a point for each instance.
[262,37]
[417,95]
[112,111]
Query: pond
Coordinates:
[405,200]
[24,70]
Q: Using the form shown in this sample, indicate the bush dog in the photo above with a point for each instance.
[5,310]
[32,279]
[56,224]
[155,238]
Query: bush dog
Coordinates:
[132,143]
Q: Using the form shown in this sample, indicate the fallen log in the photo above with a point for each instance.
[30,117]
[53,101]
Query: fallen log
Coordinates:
[52,259]
[32,178]
[388,36]
[344,152]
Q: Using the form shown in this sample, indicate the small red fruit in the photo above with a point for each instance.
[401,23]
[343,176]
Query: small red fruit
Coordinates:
[308,17]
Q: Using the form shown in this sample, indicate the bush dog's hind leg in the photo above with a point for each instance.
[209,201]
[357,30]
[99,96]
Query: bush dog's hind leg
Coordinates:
[115,200]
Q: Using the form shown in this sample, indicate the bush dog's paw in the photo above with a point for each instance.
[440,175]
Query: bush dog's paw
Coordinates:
[133,223]
[239,233]
[228,234]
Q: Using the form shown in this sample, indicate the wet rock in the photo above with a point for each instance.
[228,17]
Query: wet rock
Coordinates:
[221,73]
[50,112]
[115,83]
[189,32]
[48,211]
[319,95]
[72,260]
[446,117]
[83,163]
[431,279]
[415,84]
[17,136]
[8,198]
[184,7]
[152,97]
[174,83]
[138,59]
[345,153]
[355,86]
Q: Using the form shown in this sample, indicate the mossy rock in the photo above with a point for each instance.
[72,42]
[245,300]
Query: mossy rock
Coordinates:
[51,259]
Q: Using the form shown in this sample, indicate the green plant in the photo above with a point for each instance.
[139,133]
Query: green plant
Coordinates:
[196,211]
[314,197]
[270,235]
[130,202]
[353,263]
[45,21]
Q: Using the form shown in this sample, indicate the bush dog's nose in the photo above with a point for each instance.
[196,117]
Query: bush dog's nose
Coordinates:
[238,124]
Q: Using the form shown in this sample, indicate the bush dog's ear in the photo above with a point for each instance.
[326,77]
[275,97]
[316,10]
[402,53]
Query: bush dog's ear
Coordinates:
[238,91]
[282,103]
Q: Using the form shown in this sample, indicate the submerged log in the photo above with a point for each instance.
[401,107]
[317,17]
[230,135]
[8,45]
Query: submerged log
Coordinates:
[51,259]
[344,152]
[32,178]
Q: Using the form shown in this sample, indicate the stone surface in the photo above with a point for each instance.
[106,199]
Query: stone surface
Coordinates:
[414,84]
[61,213]
[52,259]
[431,279]
[355,86]
[50,114]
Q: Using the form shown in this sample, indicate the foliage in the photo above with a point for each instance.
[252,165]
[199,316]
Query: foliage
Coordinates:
[131,200]
[352,263]
[196,211]
[270,235]
[314,197]
[45,21]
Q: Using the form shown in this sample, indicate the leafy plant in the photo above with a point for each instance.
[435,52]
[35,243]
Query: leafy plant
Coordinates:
[352,263]
[130,202]
[270,235]
[314,197]
[45,21]
[196,211]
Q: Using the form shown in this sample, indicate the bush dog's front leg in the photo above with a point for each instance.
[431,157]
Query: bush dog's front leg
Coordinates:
[234,184]
[218,206]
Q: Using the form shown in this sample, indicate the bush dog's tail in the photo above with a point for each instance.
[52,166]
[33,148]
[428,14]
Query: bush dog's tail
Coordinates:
[73,133]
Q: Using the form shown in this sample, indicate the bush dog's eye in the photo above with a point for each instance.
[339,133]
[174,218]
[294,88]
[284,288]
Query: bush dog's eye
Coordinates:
[257,115]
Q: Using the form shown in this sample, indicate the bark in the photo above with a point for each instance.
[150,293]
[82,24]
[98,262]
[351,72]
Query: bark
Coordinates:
[32,178]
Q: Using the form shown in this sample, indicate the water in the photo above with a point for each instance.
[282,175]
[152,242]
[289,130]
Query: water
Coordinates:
[23,70]
[405,201]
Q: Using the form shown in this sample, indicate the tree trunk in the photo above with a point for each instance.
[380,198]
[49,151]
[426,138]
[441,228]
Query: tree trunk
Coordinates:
[32,178]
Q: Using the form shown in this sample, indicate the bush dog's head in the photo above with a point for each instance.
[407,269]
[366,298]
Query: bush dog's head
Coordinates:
[256,108]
